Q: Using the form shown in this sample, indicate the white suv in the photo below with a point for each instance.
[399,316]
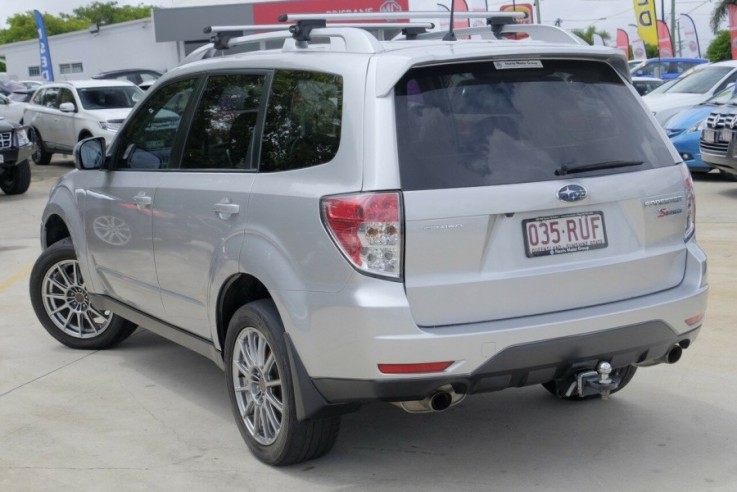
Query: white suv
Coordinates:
[61,114]
[343,219]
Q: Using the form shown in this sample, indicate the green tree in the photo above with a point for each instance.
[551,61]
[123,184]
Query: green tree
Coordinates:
[720,48]
[588,34]
[720,13]
[110,13]
[22,26]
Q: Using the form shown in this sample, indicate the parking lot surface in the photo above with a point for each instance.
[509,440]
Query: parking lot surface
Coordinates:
[150,415]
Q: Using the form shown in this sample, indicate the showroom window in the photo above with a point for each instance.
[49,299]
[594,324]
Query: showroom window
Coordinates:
[66,68]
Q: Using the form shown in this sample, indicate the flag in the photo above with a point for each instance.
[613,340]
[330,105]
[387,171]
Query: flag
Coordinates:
[665,46]
[646,25]
[47,68]
[732,9]
[689,37]
[623,42]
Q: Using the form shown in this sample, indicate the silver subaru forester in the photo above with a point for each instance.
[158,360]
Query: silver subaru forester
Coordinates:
[340,219]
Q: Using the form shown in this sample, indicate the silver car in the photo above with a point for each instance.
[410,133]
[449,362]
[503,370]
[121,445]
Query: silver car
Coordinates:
[345,219]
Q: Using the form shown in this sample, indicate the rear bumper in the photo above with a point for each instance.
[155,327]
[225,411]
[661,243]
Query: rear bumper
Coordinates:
[523,365]
[345,335]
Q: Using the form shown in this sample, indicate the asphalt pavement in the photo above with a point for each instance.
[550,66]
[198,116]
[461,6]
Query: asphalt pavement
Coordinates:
[152,416]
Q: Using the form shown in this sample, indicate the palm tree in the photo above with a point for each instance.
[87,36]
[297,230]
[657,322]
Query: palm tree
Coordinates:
[720,12]
[588,33]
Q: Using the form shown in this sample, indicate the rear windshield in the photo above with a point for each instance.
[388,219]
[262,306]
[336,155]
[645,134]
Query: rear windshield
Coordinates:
[493,123]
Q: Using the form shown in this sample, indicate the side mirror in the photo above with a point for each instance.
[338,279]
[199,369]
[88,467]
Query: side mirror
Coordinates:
[67,107]
[90,153]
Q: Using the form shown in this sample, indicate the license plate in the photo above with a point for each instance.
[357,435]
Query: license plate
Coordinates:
[561,234]
[709,136]
[725,135]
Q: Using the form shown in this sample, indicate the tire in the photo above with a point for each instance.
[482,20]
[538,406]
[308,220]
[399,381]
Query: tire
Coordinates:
[16,179]
[259,384]
[40,156]
[627,374]
[60,300]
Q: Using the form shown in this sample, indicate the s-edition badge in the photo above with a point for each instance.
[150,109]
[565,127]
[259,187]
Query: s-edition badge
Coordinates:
[572,193]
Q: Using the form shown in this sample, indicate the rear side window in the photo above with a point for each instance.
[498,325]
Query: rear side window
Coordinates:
[224,123]
[303,120]
[490,123]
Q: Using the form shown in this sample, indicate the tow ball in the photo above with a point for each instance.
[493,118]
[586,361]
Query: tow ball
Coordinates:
[590,383]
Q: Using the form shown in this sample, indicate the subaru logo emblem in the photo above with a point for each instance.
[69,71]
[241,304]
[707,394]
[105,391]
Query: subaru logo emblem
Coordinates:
[572,193]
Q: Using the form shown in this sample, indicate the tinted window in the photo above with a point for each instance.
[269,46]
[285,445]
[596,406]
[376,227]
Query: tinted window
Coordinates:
[147,141]
[475,124]
[302,121]
[49,97]
[224,123]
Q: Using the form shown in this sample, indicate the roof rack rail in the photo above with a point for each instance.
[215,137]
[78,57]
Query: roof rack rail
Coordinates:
[406,25]
[390,16]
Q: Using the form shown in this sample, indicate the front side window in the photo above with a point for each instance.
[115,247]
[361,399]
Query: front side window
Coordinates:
[493,123]
[222,131]
[303,120]
[48,97]
[148,139]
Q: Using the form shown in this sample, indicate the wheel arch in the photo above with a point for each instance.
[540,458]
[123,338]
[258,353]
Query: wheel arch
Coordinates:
[237,291]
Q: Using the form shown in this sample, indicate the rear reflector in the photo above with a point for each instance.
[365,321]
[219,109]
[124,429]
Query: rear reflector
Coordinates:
[695,319]
[414,368]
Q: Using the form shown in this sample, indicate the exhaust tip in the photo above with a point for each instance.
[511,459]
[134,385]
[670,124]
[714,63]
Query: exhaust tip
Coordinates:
[441,401]
[674,354]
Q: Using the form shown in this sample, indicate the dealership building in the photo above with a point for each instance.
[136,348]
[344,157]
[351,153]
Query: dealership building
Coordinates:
[163,40]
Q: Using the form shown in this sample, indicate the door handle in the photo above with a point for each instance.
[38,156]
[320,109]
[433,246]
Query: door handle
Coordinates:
[225,209]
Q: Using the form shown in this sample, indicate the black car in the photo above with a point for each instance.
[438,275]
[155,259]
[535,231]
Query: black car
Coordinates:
[15,149]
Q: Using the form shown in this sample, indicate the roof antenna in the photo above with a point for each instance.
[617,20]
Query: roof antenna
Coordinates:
[450,35]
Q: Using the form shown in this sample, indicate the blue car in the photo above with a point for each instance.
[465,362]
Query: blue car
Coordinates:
[665,68]
[684,132]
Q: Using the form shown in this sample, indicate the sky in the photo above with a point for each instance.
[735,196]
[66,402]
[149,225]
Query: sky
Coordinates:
[606,15]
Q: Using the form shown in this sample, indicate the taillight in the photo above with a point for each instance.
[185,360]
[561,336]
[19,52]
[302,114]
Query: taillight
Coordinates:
[367,228]
[690,203]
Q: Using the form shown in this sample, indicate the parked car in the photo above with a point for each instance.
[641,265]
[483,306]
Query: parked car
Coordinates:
[61,114]
[15,149]
[693,88]
[665,68]
[645,85]
[13,105]
[718,144]
[684,130]
[358,220]
[142,77]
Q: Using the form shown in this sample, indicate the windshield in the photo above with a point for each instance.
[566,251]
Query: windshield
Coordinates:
[110,97]
[699,82]
[478,124]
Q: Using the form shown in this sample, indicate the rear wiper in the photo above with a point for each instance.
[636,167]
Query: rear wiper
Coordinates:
[596,166]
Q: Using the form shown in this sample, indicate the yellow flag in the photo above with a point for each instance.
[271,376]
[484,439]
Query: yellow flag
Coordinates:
[646,21]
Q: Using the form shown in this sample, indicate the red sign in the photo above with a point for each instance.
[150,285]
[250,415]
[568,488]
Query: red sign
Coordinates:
[520,7]
[623,42]
[665,47]
[732,9]
[268,13]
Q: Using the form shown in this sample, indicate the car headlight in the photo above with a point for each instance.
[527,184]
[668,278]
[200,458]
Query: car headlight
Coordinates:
[22,137]
[111,126]
[698,127]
